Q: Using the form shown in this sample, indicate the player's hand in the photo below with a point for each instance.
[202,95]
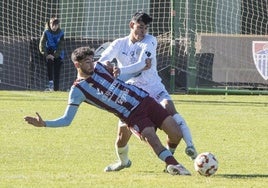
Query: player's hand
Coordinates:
[35,121]
[112,68]
[116,71]
[109,66]
[50,57]
[148,63]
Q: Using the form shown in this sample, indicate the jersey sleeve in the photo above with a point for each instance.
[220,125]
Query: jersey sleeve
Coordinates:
[148,50]
[42,44]
[76,97]
[59,51]
[110,53]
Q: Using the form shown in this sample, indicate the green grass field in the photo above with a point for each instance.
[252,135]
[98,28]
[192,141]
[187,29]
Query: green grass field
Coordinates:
[234,128]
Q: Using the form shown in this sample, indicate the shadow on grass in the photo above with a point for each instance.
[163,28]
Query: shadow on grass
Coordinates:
[242,176]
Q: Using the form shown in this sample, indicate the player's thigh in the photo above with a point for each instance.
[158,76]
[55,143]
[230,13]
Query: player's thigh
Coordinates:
[169,106]
[162,97]
[153,140]
[169,126]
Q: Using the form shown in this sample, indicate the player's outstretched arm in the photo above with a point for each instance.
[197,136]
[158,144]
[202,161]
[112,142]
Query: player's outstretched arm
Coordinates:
[35,121]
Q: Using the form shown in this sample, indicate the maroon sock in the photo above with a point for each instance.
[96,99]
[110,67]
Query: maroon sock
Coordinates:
[167,156]
[171,160]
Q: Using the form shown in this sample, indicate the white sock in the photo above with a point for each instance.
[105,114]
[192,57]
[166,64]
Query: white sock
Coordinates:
[186,133]
[122,154]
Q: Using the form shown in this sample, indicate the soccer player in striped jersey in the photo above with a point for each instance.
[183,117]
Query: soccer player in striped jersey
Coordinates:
[130,52]
[96,85]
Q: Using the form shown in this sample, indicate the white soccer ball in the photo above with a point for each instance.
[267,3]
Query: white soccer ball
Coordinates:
[206,164]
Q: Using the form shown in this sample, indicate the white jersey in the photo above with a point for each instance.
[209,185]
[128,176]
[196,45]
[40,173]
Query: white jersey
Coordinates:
[131,58]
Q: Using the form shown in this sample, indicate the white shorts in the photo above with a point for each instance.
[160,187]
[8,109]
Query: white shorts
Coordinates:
[158,92]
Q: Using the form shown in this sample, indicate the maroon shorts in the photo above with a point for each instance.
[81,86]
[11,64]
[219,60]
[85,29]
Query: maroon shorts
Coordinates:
[148,114]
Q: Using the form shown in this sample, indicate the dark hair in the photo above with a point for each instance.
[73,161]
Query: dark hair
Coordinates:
[143,17]
[54,20]
[81,53]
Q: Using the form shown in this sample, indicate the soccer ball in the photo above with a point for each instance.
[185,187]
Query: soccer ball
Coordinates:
[206,164]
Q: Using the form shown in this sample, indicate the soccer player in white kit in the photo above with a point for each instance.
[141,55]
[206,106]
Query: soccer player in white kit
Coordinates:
[130,53]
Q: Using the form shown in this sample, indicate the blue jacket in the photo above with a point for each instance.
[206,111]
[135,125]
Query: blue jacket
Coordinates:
[51,42]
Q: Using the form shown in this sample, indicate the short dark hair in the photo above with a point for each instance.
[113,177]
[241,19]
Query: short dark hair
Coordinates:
[142,16]
[81,53]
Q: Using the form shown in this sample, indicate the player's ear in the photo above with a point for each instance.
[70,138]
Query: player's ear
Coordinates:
[76,64]
[131,24]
